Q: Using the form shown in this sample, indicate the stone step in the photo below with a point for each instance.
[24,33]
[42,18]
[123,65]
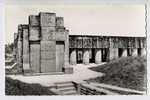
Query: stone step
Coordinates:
[67,89]
[64,82]
[70,92]
[64,85]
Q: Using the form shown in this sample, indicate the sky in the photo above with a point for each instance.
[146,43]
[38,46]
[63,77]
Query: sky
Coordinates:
[108,20]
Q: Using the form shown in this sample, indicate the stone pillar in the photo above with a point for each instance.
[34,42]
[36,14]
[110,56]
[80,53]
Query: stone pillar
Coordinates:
[35,54]
[98,56]
[26,66]
[86,56]
[48,43]
[19,47]
[113,53]
[67,50]
[134,52]
[124,52]
[15,47]
[143,51]
[67,68]
[73,57]
[19,52]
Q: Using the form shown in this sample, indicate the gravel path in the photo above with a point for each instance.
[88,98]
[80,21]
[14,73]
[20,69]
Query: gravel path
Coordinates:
[81,72]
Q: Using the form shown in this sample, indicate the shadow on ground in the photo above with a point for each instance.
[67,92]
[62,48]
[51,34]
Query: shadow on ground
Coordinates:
[15,87]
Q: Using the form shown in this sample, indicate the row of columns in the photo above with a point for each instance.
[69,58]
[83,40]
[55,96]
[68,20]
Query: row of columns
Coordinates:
[113,53]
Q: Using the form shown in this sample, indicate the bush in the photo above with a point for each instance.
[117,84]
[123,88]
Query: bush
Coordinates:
[129,72]
[15,87]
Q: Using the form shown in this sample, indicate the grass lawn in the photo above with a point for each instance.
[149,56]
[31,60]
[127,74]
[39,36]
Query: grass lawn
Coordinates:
[128,72]
[15,87]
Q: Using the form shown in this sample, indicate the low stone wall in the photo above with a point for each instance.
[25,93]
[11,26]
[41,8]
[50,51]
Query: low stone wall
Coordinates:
[84,88]
[87,89]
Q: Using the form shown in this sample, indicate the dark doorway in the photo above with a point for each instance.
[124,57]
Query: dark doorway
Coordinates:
[105,52]
[129,52]
[92,55]
[79,56]
[139,51]
[120,52]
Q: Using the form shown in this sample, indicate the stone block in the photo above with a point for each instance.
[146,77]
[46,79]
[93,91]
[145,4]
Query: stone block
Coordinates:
[59,21]
[60,36]
[48,55]
[25,50]
[34,33]
[60,29]
[48,33]
[19,32]
[48,66]
[47,19]
[35,58]
[34,20]
[48,45]
[19,49]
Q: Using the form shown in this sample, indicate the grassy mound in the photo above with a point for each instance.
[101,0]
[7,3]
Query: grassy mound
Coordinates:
[129,72]
[15,87]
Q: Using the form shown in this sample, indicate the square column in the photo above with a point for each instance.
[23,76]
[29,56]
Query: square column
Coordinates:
[124,53]
[134,52]
[19,48]
[73,57]
[86,56]
[143,51]
[98,56]
[67,69]
[113,53]
[26,66]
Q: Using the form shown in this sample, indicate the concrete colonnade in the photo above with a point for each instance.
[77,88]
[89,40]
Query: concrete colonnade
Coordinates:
[105,54]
